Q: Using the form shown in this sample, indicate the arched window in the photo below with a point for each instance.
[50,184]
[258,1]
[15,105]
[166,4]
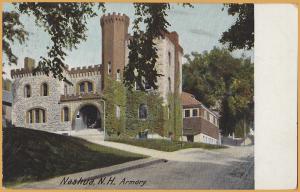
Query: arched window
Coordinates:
[65,114]
[27,91]
[44,89]
[143,111]
[36,115]
[86,87]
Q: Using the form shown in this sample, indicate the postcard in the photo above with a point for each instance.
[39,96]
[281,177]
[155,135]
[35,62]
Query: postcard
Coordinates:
[149,96]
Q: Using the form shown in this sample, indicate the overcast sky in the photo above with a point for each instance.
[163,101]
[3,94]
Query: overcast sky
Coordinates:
[199,29]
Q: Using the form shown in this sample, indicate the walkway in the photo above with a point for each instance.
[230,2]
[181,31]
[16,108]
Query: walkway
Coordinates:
[185,155]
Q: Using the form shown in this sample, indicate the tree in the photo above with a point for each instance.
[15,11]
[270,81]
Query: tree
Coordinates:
[241,34]
[13,30]
[222,83]
[66,25]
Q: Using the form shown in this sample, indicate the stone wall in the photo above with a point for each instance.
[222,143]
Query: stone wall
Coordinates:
[50,103]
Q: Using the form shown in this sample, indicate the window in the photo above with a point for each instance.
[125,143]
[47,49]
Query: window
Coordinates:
[31,116]
[211,118]
[118,75]
[169,57]
[169,83]
[66,114]
[204,114]
[90,87]
[147,86]
[187,113]
[109,68]
[44,89]
[207,115]
[118,112]
[143,111]
[78,115]
[81,87]
[66,90]
[144,85]
[36,116]
[27,91]
[86,87]
[195,112]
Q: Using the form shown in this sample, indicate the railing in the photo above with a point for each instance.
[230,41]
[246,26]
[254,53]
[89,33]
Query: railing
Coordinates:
[81,96]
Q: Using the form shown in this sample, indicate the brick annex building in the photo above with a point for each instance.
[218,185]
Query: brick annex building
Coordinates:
[98,99]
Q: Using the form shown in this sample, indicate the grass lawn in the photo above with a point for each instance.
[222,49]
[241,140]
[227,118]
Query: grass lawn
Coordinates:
[164,145]
[30,155]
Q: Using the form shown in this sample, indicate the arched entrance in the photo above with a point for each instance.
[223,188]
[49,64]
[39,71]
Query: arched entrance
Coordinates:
[87,117]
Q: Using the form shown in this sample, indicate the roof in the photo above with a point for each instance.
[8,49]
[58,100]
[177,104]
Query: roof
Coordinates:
[188,99]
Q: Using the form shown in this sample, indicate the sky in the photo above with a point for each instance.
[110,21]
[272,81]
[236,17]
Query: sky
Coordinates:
[199,30]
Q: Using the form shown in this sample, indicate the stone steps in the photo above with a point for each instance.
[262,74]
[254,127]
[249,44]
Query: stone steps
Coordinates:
[89,134]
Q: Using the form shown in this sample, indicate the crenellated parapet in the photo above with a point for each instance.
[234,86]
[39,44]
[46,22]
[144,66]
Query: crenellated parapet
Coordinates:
[23,72]
[111,18]
[85,71]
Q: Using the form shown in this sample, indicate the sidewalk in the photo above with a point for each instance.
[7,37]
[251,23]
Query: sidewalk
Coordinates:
[184,155]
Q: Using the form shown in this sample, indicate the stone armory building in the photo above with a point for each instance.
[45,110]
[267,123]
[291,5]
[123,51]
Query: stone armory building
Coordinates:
[97,98]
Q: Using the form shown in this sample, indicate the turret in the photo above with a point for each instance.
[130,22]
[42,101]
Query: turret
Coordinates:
[114,32]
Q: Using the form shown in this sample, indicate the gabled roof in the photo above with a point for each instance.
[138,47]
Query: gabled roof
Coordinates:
[188,99]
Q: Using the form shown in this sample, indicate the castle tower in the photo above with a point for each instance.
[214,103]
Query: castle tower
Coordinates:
[114,34]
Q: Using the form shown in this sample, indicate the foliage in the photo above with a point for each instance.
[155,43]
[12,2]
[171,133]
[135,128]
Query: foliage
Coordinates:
[155,118]
[65,24]
[223,83]
[115,95]
[142,48]
[173,119]
[13,30]
[241,34]
[163,144]
[32,155]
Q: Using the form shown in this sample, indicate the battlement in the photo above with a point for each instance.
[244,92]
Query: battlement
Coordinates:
[111,18]
[73,72]
[15,73]
[85,70]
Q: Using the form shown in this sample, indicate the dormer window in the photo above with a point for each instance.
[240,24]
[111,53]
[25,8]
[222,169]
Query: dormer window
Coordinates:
[27,91]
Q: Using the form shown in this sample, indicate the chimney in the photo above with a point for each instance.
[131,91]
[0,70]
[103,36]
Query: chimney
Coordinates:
[29,63]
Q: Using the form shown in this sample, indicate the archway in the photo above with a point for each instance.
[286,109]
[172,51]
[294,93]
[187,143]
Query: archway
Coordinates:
[87,117]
